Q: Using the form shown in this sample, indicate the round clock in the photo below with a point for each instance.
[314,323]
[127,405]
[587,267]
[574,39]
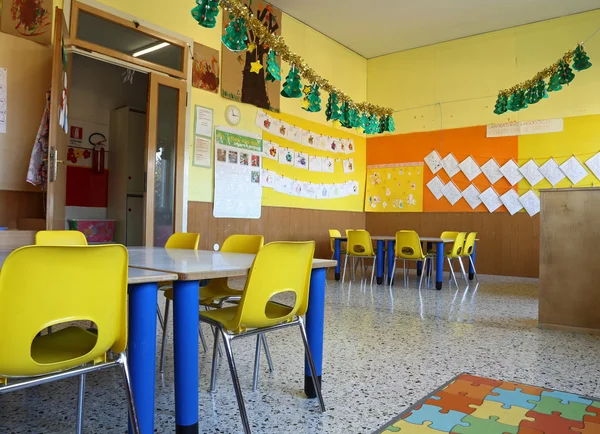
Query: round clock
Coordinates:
[233,115]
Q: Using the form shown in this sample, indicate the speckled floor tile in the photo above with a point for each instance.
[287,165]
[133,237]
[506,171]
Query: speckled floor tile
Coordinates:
[384,350]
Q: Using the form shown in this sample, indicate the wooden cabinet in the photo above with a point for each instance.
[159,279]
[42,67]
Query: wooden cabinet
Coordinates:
[126,174]
[569,259]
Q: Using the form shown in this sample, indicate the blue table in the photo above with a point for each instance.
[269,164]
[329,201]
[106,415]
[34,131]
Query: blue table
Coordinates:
[379,262]
[191,266]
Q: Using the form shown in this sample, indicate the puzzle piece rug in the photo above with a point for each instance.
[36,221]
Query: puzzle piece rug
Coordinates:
[476,405]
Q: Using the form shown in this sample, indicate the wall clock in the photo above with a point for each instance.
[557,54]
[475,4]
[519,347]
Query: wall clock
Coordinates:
[233,115]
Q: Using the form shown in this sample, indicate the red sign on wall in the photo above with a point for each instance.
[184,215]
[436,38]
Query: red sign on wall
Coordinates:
[76,133]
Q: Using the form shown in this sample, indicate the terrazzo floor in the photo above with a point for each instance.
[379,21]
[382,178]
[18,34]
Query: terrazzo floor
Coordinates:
[384,350]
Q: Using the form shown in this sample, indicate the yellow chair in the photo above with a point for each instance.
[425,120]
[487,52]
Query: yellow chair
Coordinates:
[60,238]
[183,240]
[455,254]
[333,234]
[360,246]
[280,267]
[468,249]
[409,248]
[70,283]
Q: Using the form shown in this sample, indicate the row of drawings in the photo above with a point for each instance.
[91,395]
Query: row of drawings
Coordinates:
[534,174]
[303,160]
[303,137]
[492,200]
[308,190]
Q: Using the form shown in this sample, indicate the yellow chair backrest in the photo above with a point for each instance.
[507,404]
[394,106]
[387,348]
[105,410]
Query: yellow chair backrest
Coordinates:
[408,245]
[359,243]
[70,283]
[458,246]
[183,240]
[278,267]
[240,243]
[60,238]
[333,233]
[449,234]
[469,244]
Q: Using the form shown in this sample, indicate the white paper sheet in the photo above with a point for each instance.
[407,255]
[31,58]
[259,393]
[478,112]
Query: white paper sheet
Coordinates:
[349,165]
[267,178]
[435,186]
[450,164]
[262,120]
[471,195]
[286,156]
[301,161]
[511,172]
[552,172]
[490,199]
[510,199]
[310,139]
[294,134]
[350,146]
[531,202]
[271,150]
[491,170]
[328,165]
[323,143]
[434,161]
[451,192]
[574,170]
[315,163]
[594,165]
[531,172]
[470,168]
[204,121]
[3,97]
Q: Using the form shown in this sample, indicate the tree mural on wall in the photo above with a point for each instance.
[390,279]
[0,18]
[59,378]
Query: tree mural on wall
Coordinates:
[239,82]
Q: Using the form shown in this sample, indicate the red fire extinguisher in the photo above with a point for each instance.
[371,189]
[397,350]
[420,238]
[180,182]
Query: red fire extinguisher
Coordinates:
[98,141]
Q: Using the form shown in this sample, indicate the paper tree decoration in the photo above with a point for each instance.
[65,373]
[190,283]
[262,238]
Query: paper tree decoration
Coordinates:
[386,124]
[554,83]
[517,101]
[501,105]
[205,12]
[292,88]
[350,115]
[333,110]
[235,36]
[581,61]
[535,93]
[273,69]
[566,73]
[312,100]
[372,125]
[364,122]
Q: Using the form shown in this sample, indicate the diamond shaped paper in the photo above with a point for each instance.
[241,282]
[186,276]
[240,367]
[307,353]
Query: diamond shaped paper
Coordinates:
[510,199]
[511,172]
[490,199]
[574,170]
[470,168]
[531,202]
[471,195]
[451,192]
[450,164]
[552,172]
[594,165]
[531,172]
[435,186]
[434,161]
[491,170]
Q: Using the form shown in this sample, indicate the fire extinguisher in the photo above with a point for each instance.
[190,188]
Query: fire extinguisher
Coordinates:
[98,141]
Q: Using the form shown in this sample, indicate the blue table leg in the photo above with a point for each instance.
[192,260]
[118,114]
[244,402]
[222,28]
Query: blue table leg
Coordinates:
[429,249]
[380,260]
[439,272]
[185,332]
[315,327]
[337,255]
[391,257]
[471,270]
[419,268]
[142,350]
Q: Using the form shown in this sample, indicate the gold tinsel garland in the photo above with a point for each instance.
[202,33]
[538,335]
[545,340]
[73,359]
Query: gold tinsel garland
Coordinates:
[277,44]
[543,74]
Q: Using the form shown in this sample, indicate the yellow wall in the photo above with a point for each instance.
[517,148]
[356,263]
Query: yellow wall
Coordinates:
[475,68]
[345,69]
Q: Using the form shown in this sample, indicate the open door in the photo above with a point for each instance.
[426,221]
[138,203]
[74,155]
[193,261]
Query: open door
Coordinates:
[56,187]
[165,152]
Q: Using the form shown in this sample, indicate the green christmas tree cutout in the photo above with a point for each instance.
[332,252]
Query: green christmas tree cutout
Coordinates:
[312,100]
[235,36]
[391,124]
[333,111]
[386,124]
[501,105]
[364,122]
[351,119]
[516,101]
[205,12]
[554,82]
[373,124]
[292,87]
[566,73]
[273,69]
[581,61]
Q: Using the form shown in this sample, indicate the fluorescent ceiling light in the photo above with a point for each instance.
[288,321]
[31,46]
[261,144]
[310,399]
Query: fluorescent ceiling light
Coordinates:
[151,49]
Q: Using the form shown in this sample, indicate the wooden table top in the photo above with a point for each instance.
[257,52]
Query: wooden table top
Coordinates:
[393,238]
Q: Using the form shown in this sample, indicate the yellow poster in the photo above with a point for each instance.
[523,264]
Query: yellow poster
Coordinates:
[395,188]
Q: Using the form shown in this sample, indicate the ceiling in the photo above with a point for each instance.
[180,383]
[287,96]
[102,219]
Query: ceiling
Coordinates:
[377,27]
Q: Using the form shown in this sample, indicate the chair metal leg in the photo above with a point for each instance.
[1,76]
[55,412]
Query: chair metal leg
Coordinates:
[452,272]
[311,364]
[202,339]
[133,417]
[80,403]
[164,336]
[256,363]
[236,382]
[373,269]
[267,352]
[160,317]
[474,271]
[393,272]
[344,273]
[425,270]
[404,273]
[215,361]
[462,268]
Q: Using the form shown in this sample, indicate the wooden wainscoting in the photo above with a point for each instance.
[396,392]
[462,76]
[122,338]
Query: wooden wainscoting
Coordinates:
[275,224]
[17,205]
[508,246]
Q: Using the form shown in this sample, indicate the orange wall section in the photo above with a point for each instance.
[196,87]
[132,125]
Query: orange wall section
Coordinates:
[462,142]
